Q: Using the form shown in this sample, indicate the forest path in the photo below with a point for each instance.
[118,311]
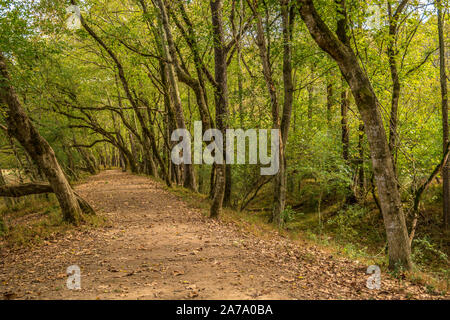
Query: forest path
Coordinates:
[156,247]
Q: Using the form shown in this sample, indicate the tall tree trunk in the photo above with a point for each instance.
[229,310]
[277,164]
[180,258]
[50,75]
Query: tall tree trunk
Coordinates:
[310,89]
[197,85]
[20,127]
[221,98]
[228,186]
[392,52]
[239,64]
[361,160]
[341,32]
[170,55]
[367,103]
[444,93]
[123,163]
[287,25]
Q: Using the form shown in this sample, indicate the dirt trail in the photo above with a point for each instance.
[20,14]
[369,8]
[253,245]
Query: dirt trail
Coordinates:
[156,247]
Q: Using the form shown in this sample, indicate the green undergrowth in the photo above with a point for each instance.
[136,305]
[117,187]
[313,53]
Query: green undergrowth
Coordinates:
[34,219]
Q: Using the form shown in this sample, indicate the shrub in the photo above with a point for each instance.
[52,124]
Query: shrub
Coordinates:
[287,215]
[425,252]
[345,220]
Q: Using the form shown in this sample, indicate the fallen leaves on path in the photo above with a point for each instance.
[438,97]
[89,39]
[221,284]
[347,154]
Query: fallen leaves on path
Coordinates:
[156,247]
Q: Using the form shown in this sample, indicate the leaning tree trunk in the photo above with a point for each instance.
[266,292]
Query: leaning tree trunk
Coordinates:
[20,127]
[279,182]
[367,103]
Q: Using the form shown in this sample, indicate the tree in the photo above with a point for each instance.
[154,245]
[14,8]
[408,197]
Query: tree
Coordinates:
[392,51]
[170,55]
[367,103]
[220,96]
[287,14]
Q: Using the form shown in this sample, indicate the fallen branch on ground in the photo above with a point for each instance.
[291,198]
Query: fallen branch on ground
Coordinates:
[20,190]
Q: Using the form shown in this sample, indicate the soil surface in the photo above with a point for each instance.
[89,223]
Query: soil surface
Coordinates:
[155,246]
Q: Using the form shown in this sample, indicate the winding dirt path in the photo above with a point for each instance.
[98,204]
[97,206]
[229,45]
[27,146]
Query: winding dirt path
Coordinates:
[156,247]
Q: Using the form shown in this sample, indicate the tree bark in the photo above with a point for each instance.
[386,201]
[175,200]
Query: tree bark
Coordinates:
[330,101]
[287,14]
[361,160]
[345,134]
[279,181]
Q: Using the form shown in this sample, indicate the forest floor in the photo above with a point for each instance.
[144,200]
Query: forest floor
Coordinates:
[156,246]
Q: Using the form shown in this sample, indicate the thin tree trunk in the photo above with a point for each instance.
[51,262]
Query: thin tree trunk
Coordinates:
[342,29]
[287,15]
[221,99]
[239,63]
[228,186]
[279,182]
[287,25]
[392,52]
[361,160]
[422,188]
[444,94]
[170,55]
